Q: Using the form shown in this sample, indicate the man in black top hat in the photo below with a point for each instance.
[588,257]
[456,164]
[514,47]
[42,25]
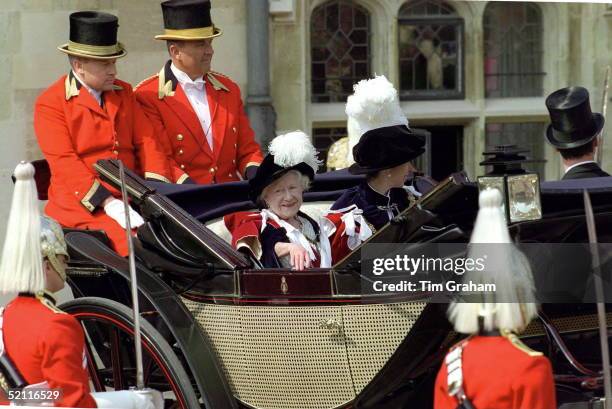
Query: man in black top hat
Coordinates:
[198,113]
[573,131]
[88,115]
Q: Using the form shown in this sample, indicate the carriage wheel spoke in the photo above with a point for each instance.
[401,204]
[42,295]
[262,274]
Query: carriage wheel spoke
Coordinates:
[92,367]
[116,361]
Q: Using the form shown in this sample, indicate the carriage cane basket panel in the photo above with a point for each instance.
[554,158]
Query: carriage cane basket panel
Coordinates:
[577,323]
[372,333]
[308,357]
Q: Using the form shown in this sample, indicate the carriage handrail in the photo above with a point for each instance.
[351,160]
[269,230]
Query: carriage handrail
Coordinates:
[133,281]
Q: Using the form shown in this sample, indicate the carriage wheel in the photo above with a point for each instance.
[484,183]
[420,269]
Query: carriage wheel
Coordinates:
[109,336]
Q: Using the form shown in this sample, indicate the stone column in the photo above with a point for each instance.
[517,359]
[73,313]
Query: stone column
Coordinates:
[259,102]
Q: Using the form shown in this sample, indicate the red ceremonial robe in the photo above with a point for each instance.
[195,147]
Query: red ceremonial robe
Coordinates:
[342,228]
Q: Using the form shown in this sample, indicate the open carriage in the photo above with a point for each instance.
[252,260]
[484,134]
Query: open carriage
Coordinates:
[221,332]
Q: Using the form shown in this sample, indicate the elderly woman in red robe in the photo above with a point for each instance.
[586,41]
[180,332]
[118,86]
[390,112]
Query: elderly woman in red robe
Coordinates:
[281,235]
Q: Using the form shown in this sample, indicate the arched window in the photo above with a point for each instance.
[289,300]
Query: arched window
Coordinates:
[430,50]
[513,50]
[340,49]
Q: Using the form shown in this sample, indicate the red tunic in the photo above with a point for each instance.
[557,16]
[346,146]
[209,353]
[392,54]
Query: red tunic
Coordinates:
[74,132]
[500,372]
[234,145]
[46,344]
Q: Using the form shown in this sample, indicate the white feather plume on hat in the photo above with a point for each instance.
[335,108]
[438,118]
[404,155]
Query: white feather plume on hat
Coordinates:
[21,267]
[512,305]
[293,148]
[375,104]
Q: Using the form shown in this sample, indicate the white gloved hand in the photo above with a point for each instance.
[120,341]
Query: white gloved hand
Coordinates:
[145,399]
[116,211]
[150,399]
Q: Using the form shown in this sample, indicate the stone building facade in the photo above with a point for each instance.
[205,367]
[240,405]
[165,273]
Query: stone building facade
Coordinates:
[474,73]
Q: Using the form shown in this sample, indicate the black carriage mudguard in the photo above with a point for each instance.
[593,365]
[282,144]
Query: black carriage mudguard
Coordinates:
[195,345]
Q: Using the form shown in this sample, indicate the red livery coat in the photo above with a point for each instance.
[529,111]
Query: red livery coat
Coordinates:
[234,145]
[499,372]
[74,132]
[46,344]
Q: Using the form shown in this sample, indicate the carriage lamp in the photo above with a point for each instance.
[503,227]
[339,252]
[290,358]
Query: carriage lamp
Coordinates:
[519,188]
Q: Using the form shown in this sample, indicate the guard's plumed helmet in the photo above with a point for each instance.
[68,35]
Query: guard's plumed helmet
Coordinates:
[52,244]
[512,306]
[29,239]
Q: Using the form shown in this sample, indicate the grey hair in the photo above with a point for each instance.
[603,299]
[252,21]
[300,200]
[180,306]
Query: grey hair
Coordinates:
[72,59]
[304,180]
[170,43]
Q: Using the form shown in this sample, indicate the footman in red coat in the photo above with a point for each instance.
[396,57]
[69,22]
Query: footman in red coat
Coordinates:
[198,113]
[88,115]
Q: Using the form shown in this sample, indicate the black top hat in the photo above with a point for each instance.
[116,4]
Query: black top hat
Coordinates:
[187,20]
[387,147]
[93,34]
[572,122]
[269,171]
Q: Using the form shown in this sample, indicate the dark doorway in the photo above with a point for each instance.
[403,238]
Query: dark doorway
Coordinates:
[444,154]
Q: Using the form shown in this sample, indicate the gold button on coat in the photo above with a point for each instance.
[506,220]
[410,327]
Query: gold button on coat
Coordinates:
[116,152]
[182,166]
[179,137]
[180,152]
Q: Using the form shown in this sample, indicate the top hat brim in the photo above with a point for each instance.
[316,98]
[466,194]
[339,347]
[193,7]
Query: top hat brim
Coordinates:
[185,35]
[357,169]
[553,135]
[65,48]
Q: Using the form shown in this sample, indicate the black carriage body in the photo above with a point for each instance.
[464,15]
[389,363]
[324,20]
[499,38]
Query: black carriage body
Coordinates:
[275,338]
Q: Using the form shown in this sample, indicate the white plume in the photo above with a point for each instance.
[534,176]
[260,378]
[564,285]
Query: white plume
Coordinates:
[292,148]
[375,104]
[21,267]
[512,305]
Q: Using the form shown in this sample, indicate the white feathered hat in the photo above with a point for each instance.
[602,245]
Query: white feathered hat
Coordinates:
[374,104]
[290,151]
[512,305]
[21,268]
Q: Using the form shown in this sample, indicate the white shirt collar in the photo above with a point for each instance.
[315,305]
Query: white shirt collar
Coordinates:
[184,79]
[94,93]
[578,164]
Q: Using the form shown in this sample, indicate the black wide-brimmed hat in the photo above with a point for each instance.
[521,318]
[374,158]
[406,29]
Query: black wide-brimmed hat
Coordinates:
[572,122]
[269,171]
[290,151]
[187,20]
[93,34]
[387,147]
